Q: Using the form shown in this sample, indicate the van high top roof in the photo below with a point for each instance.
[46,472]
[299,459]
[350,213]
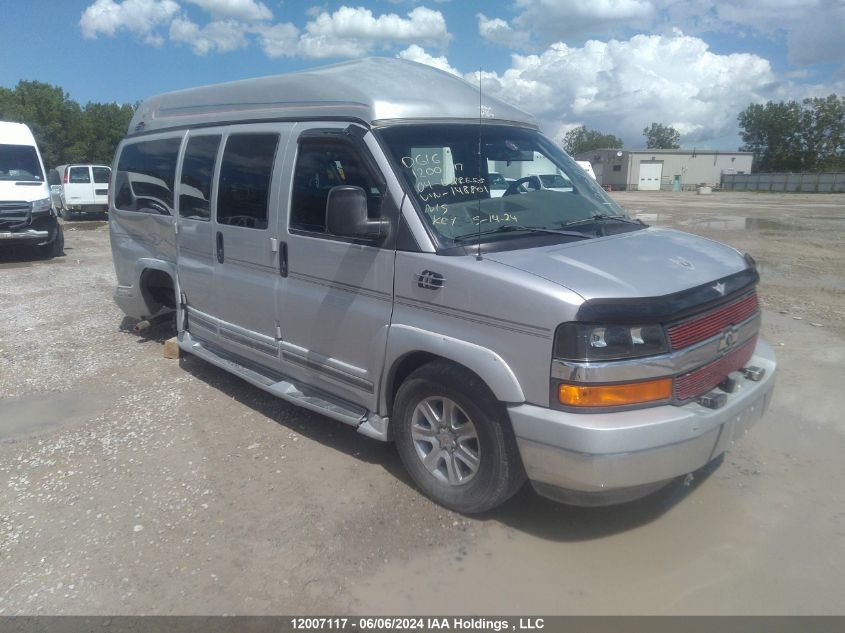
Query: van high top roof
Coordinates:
[372,91]
[15,134]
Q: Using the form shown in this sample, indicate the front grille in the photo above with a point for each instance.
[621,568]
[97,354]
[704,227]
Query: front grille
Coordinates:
[14,207]
[703,379]
[14,213]
[703,326]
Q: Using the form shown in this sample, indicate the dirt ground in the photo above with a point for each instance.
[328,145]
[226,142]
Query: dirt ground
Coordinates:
[133,484]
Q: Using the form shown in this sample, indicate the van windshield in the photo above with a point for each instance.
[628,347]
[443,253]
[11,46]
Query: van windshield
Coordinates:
[521,178]
[20,162]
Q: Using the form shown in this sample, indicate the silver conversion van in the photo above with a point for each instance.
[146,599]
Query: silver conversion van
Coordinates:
[27,215]
[330,236]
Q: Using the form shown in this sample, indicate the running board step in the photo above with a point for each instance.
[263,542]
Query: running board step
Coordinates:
[368,423]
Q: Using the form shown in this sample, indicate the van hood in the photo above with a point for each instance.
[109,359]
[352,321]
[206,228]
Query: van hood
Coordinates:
[650,262]
[27,191]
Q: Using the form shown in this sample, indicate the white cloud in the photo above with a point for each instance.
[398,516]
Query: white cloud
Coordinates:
[140,17]
[416,53]
[622,86]
[546,21]
[223,36]
[279,40]
[819,41]
[347,32]
[247,10]
[355,31]
[500,32]
[814,28]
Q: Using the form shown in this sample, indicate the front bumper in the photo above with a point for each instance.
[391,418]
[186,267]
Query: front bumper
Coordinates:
[88,207]
[41,229]
[24,236]
[612,457]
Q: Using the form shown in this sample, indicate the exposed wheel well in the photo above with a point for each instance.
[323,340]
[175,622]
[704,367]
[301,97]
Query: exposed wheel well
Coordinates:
[410,363]
[158,290]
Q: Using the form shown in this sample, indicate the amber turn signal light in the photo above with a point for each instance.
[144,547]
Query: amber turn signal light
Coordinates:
[615,395]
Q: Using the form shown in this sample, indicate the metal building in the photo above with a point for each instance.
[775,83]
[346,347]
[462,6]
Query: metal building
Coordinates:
[664,169]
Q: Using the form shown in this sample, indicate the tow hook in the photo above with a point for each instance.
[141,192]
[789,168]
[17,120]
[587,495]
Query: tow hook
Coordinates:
[753,373]
[713,400]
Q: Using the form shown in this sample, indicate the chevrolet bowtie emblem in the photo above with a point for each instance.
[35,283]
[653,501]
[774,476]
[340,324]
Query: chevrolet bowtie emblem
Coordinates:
[728,340]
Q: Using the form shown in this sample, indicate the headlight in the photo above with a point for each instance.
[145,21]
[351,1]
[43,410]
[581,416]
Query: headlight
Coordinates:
[41,206]
[588,342]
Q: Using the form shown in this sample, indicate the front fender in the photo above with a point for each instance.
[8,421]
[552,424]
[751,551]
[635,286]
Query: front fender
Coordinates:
[403,340]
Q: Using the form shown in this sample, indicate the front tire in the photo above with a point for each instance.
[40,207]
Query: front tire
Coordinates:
[455,439]
[54,248]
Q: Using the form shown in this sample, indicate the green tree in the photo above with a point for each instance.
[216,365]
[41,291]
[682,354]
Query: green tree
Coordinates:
[659,136]
[823,127]
[773,132]
[792,136]
[50,113]
[580,139]
[65,132]
[104,125]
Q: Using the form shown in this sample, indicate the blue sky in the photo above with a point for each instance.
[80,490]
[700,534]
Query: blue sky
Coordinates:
[613,65]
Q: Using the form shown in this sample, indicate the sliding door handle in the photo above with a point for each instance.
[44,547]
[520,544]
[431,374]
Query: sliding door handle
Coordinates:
[220,257]
[283,259]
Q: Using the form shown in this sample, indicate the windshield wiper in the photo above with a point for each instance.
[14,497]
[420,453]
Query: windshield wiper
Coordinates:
[506,228]
[604,217]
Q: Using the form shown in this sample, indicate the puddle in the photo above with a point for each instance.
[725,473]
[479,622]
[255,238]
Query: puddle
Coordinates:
[43,412]
[740,223]
[767,224]
[836,218]
[650,218]
[719,222]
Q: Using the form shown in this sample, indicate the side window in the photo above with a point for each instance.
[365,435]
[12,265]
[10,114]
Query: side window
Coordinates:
[197,172]
[53,177]
[244,189]
[320,166]
[145,175]
[102,175]
[79,175]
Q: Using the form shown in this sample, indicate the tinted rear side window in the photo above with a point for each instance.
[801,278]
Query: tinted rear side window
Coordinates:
[197,172]
[244,189]
[101,175]
[145,175]
[79,175]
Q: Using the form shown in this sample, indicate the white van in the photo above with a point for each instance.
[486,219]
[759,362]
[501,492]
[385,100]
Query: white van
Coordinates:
[80,189]
[26,211]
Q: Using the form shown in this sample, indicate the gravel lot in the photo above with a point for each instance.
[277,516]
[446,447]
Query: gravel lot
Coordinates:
[133,484]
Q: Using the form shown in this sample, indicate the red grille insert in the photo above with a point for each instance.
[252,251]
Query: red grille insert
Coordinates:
[703,379]
[703,326]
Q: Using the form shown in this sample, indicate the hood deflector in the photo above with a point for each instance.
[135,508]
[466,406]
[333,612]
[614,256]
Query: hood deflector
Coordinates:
[668,307]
